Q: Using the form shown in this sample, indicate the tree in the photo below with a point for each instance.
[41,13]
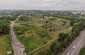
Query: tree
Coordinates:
[62,37]
[56,47]
[4,26]
[82,51]
[71,23]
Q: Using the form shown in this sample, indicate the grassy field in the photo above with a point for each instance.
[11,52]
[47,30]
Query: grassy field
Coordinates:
[5,44]
[47,46]
[35,32]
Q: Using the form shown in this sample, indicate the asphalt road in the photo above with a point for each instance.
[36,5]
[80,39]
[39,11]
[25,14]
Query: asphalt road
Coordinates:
[17,46]
[75,47]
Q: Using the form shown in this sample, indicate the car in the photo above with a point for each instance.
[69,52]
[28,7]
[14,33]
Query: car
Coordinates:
[68,54]
[73,46]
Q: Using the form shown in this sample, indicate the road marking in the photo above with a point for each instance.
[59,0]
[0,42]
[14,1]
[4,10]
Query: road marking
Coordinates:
[77,46]
[74,42]
[69,49]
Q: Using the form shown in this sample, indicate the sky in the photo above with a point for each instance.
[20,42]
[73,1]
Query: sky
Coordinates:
[43,4]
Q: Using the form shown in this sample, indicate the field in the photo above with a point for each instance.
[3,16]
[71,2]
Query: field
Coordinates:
[5,44]
[34,32]
[46,47]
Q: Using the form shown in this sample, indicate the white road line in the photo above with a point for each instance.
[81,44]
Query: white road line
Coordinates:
[77,46]
[74,42]
[67,50]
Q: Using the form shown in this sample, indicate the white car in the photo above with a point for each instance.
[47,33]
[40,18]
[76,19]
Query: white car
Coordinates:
[68,54]
[73,46]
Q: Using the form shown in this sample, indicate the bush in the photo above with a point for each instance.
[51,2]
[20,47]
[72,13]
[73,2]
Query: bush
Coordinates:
[25,18]
[4,26]
[43,33]
[56,47]
[47,52]
[82,51]
[63,37]
[46,26]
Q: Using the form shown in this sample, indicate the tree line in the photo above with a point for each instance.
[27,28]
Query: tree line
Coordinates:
[65,39]
[4,27]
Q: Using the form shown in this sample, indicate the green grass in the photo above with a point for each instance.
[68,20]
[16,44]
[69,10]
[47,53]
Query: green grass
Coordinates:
[35,33]
[32,39]
[30,42]
[47,47]
[5,44]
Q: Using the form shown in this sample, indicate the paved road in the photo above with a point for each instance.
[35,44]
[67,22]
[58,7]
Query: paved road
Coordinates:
[17,46]
[75,47]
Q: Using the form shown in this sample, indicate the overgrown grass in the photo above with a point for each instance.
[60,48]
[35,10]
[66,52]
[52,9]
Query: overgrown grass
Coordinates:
[47,46]
[5,44]
[36,32]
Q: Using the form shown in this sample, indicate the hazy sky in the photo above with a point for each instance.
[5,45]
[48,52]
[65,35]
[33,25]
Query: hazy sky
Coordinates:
[43,4]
